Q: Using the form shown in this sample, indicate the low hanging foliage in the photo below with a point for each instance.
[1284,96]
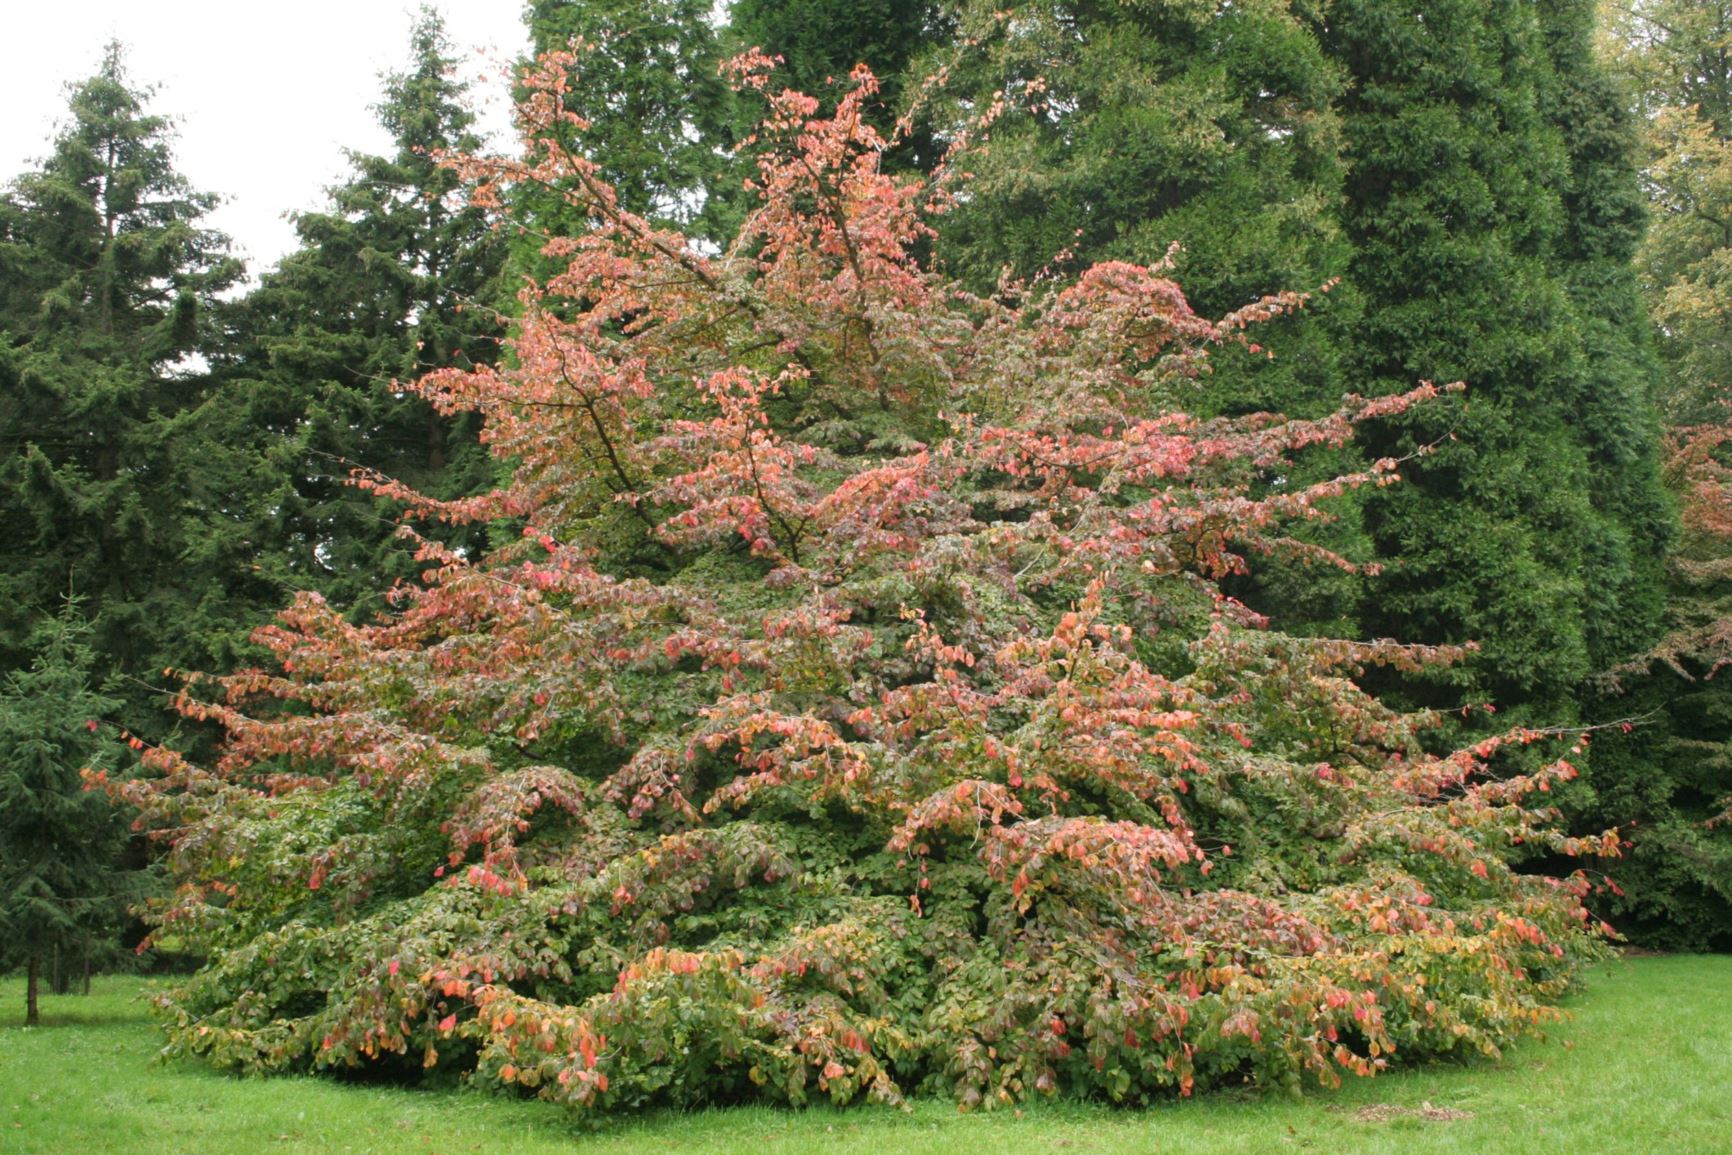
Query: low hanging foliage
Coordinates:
[856,716]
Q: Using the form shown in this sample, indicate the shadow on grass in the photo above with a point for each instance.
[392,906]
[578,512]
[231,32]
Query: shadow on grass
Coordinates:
[116,1000]
[63,1017]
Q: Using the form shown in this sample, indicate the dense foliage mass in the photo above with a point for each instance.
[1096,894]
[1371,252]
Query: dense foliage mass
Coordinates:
[1203,134]
[1131,127]
[1667,780]
[1673,887]
[1492,211]
[662,118]
[857,713]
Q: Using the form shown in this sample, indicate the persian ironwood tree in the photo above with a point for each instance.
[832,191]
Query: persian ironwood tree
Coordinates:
[857,714]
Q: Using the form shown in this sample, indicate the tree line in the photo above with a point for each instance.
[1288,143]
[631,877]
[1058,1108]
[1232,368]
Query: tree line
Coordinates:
[1474,192]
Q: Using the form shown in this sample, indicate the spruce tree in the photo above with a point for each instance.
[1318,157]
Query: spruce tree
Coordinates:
[392,280]
[108,279]
[62,892]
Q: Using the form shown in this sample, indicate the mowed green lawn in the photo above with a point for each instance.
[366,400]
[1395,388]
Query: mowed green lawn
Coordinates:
[1644,1065]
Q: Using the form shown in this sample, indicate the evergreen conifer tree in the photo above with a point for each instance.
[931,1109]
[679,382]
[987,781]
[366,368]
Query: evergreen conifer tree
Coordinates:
[1131,128]
[1604,218]
[1488,222]
[392,280]
[660,116]
[108,278]
[820,42]
[62,894]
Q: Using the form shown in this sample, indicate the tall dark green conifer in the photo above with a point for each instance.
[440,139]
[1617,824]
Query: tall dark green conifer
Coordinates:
[1468,170]
[107,280]
[1131,127]
[1604,217]
[392,280]
[1489,221]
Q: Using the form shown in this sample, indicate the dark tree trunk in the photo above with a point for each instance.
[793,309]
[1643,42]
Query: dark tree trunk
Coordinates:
[60,972]
[31,1015]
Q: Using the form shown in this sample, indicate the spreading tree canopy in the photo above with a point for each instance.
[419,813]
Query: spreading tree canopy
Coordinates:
[1674,54]
[857,712]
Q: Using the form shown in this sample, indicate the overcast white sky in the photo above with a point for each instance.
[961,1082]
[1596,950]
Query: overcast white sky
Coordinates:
[267,94]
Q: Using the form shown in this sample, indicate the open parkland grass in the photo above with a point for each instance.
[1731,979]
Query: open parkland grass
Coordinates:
[1643,1065]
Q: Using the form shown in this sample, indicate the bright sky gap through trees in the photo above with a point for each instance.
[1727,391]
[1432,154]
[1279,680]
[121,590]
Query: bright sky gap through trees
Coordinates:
[267,98]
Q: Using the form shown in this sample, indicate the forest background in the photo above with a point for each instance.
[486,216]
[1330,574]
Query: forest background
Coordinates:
[1535,200]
